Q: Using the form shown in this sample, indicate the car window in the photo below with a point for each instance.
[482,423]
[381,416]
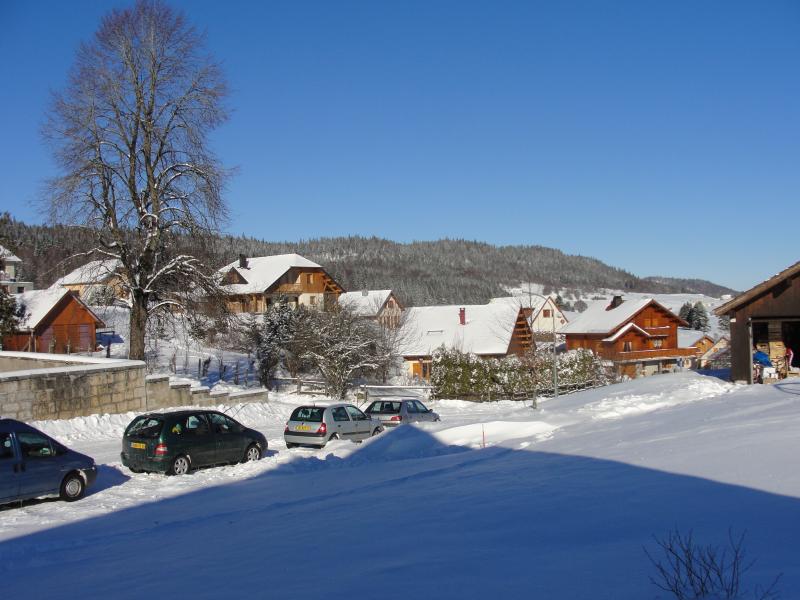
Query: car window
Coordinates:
[339,414]
[145,427]
[223,424]
[6,449]
[195,425]
[312,414]
[383,407]
[420,406]
[355,414]
[410,407]
[34,445]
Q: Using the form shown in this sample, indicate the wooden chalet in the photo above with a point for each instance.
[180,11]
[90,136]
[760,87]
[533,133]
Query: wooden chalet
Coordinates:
[718,354]
[766,316]
[542,313]
[693,338]
[252,284]
[57,321]
[96,282]
[378,305]
[639,336]
[493,330]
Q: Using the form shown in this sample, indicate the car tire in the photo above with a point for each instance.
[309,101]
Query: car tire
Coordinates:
[291,445]
[181,465]
[132,470]
[72,488]
[377,431]
[252,454]
[334,436]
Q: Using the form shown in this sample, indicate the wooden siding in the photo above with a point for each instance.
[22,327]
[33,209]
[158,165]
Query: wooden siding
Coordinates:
[69,327]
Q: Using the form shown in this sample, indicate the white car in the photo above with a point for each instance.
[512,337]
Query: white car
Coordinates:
[316,425]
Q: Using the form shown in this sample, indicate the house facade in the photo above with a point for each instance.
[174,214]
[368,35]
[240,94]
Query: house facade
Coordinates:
[10,281]
[640,337]
[717,354]
[57,322]
[693,338]
[541,311]
[96,282]
[493,330]
[766,316]
[252,284]
[378,305]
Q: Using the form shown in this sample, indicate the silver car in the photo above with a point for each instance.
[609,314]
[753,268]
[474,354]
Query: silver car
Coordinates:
[317,424]
[396,411]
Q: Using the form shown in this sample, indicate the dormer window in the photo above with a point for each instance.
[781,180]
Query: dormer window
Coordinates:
[627,346]
[310,278]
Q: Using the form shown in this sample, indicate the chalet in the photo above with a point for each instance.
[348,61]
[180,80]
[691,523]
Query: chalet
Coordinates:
[766,316]
[491,330]
[57,321]
[252,284]
[378,305]
[717,355]
[10,281]
[542,313]
[96,282]
[639,336]
[694,338]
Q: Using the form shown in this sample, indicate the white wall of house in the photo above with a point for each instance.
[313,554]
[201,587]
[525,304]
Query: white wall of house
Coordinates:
[548,317]
[311,300]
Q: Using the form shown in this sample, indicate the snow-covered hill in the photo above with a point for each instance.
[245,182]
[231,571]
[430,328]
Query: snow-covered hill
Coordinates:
[496,500]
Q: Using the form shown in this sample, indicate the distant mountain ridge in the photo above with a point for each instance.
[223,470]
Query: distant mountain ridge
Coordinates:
[447,271]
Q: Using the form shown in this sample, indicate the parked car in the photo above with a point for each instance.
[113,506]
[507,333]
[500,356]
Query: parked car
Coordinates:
[33,464]
[177,442]
[318,424]
[396,411]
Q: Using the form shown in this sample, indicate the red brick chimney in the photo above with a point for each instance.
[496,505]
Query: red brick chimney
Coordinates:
[462,316]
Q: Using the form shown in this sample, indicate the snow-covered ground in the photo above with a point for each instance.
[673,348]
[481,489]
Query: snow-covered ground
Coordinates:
[497,500]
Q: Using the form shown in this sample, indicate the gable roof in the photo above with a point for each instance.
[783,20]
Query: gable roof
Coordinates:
[689,337]
[9,256]
[40,303]
[263,271]
[596,320]
[95,271]
[487,330]
[758,290]
[365,303]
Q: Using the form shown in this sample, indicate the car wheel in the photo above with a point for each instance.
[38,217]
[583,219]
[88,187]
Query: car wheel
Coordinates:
[377,431]
[291,445]
[252,454]
[334,436]
[132,470]
[72,488]
[180,465]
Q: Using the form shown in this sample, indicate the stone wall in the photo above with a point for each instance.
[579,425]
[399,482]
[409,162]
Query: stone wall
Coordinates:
[44,386]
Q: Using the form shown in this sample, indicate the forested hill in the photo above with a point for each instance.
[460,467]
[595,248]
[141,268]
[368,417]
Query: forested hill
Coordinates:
[444,271]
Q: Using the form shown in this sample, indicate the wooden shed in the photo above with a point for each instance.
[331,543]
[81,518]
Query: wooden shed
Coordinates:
[768,317]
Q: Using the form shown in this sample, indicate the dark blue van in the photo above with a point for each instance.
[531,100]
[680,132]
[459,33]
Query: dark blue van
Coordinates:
[33,464]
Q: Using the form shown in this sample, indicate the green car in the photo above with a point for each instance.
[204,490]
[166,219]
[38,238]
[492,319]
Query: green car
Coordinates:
[177,442]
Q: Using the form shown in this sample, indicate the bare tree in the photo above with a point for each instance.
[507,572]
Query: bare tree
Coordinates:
[129,134]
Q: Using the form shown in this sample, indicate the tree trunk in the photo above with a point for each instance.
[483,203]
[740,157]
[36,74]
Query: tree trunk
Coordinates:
[138,326]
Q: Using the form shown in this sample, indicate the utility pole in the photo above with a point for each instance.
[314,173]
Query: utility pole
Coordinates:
[555,358]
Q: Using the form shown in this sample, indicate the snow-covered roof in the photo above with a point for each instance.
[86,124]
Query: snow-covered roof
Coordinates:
[365,303]
[263,271]
[95,271]
[487,329]
[623,330]
[597,320]
[689,337]
[9,256]
[39,303]
[532,301]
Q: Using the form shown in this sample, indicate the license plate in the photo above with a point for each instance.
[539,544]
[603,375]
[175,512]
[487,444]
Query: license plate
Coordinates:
[302,428]
[138,445]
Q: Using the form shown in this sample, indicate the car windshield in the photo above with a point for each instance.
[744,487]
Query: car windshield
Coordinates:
[382,407]
[146,427]
[308,413]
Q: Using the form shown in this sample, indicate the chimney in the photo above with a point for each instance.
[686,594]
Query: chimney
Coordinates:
[462,316]
[242,261]
[615,302]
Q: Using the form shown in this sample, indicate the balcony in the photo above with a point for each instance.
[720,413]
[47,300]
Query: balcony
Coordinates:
[652,354]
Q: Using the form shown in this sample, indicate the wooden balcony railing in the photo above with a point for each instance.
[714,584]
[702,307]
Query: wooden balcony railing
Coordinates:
[653,354]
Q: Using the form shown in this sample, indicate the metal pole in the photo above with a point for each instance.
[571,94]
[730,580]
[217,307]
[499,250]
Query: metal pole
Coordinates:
[555,361]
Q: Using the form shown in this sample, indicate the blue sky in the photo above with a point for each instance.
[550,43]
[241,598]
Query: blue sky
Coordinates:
[660,137]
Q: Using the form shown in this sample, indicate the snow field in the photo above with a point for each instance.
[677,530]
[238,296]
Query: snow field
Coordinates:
[558,504]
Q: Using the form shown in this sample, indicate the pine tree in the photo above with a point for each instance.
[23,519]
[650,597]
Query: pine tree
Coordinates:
[11,314]
[685,311]
[700,317]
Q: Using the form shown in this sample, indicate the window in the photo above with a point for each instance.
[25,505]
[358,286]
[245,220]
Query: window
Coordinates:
[34,445]
[20,290]
[146,427]
[312,414]
[420,406]
[411,407]
[627,346]
[547,313]
[312,300]
[6,449]
[223,424]
[657,343]
[310,278]
[339,414]
[356,414]
[196,425]
[382,407]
